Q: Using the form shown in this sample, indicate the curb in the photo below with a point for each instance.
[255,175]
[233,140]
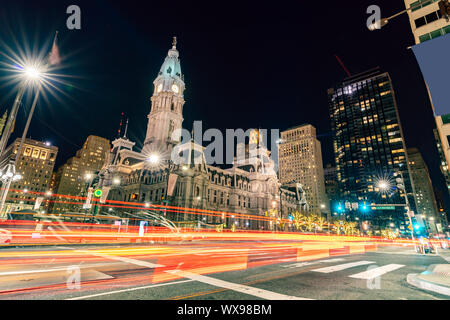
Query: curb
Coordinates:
[413,279]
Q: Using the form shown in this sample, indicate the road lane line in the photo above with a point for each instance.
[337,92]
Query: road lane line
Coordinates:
[341,267]
[269,295]
[128,290]
[309,263]
[260,293]
[124,259]
[376,272]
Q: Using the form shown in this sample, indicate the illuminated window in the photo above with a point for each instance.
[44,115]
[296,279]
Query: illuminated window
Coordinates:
[35,153]
[27,152]
[43,155]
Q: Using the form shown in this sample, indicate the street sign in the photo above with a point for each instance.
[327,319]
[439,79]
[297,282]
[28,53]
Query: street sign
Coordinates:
[384,208]
[87,204]
[38,203]
[104,194]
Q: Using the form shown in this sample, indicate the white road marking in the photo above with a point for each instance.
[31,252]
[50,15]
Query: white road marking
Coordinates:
[31,271]
[124,259]
[260,293]
[376,272]
[127,290]
[309,263]
[211,281]
[341,267]
[86,266]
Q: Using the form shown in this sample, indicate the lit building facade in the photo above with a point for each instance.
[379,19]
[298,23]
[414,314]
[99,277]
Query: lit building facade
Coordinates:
[426,20]
[427,23]
[35,165]
[249,187]
[426,201]
[300,161]
[70,179]
[369,149]
[331,183]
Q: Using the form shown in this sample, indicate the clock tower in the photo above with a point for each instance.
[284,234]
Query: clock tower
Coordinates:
[166,115]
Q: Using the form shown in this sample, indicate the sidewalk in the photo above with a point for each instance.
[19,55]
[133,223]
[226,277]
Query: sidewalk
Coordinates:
[436,278]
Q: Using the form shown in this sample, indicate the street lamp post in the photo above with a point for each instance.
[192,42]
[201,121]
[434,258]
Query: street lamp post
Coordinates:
[31,74]
[384,21]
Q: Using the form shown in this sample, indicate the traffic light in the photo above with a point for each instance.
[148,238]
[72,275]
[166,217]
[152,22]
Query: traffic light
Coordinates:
[444,8]
[364,207]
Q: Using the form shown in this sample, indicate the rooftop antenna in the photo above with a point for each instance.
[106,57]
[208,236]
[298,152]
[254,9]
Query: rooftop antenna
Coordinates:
[126,129]
[120,125]
[343,66]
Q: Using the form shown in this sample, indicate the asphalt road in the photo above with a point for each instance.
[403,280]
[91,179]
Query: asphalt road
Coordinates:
[140,273]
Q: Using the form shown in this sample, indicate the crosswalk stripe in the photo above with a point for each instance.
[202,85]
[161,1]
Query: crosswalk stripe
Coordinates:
[344,266]
[376,272]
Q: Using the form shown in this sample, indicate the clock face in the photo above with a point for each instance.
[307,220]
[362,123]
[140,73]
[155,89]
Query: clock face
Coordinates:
[159,89]
[175,88]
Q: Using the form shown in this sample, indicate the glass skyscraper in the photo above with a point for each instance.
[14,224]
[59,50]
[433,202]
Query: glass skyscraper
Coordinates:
[370,152]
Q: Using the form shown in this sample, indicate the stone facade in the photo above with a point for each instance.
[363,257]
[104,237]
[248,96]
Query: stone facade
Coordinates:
[249,187]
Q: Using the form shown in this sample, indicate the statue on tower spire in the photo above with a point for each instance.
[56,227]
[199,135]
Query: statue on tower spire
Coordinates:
[174,43]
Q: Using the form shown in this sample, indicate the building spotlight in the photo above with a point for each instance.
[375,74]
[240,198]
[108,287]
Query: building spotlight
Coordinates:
[116,181]
[154,159]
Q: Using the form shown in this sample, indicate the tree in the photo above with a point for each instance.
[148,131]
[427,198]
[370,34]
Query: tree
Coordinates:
[339,226]
[298,220]
[310,222]
[350,228]
[320,223]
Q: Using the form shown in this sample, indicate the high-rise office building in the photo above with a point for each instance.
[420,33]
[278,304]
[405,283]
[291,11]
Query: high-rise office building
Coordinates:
[3,122]
[35,165]
[426,20]
[369,150]
[300,160]
[426,201]
[427,23]
[71,178]
[331,183]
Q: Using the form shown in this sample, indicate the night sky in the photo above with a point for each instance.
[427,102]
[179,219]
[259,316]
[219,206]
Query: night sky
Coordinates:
[246,64]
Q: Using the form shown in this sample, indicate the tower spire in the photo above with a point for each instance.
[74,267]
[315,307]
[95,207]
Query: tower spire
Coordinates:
[126,129]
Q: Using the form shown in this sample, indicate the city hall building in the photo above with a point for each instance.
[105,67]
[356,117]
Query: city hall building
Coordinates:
[250,187]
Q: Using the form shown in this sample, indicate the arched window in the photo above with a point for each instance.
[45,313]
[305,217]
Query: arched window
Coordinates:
[197,191]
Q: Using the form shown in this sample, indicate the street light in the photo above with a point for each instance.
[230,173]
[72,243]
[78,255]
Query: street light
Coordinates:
[32,73]
[383,185]
[384,21]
